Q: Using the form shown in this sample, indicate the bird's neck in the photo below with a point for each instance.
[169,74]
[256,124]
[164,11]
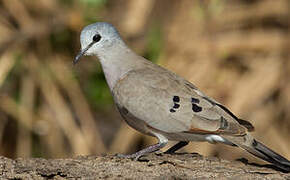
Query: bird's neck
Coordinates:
[117,61]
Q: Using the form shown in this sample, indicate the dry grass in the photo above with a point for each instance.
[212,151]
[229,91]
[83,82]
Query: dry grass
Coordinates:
[237,52]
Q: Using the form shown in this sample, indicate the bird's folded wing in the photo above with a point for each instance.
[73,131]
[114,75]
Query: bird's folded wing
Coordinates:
[169,103]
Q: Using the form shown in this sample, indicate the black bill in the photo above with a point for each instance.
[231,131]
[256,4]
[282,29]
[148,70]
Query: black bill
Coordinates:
[81,53]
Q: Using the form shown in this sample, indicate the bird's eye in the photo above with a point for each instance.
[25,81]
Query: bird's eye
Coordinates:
[97,38]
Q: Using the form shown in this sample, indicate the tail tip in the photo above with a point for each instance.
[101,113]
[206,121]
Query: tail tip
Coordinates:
[269,155]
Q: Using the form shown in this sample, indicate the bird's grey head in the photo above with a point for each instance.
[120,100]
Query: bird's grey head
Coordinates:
[96,38]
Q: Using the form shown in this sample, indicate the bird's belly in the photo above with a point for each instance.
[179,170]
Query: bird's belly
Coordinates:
[185,137]
[144,128]
[133,121]
[211,138]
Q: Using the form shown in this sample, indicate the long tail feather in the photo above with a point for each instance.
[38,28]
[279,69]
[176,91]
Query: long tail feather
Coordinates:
[260,150]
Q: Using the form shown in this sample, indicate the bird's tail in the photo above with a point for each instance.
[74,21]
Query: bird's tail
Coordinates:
[260,150]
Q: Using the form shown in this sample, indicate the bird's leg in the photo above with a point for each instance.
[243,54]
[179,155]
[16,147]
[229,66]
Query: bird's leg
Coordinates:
[162,141]
[177,146]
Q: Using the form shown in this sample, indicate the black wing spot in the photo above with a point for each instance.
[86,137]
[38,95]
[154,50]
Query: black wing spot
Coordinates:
[176,99]
[176,106]
[196,108]
[172,110]
[194,100]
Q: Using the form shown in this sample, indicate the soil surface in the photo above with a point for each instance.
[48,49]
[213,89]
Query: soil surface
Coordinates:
[154,166]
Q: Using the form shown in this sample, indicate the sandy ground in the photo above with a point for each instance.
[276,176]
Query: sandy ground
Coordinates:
[154,166]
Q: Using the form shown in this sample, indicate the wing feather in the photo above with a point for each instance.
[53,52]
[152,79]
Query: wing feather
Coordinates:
[171,104]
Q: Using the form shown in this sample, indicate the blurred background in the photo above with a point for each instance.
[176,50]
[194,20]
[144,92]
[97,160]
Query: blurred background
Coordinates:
[235,51]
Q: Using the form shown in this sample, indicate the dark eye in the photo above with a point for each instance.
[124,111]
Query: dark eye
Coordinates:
[97,38]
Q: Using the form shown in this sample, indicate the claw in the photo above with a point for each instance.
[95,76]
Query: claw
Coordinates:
[134,156]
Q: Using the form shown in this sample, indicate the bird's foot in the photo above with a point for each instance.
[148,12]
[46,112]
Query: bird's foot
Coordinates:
[134,156]
[137,155]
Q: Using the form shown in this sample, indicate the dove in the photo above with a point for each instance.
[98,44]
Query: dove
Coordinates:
[159,103]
